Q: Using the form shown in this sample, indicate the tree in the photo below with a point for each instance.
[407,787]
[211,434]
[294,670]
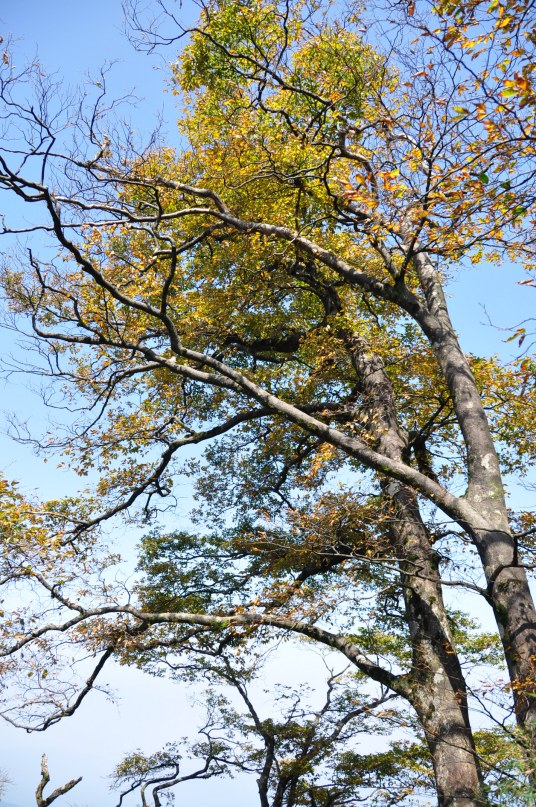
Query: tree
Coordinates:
[302,752]
[505,32]
[491,48]
[45,801]
[4,780]
[300,755]
[278,289]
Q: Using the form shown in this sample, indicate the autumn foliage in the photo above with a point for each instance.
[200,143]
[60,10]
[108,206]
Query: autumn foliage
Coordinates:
[275,293]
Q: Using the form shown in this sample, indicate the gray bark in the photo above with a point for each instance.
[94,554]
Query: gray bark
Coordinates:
[507,585]
[438,691]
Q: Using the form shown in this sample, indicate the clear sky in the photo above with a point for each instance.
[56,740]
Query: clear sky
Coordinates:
[73,38]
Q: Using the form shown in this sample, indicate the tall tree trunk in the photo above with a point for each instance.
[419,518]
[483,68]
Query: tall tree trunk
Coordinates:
[438,692]
[507,585]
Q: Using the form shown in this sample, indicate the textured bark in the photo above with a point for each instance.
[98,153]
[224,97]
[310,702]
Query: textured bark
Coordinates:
[46,801]
[514,610]
[438,691]
[507,585]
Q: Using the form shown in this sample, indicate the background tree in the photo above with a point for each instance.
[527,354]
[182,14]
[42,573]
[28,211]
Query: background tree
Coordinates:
[301,754]
[45,801]
[4,781]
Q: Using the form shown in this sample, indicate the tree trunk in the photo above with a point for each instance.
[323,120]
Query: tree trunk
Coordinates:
[438,691]
[507,585]
[439,694]
[513,607]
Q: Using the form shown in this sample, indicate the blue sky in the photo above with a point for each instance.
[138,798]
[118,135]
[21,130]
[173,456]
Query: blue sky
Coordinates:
[73,38]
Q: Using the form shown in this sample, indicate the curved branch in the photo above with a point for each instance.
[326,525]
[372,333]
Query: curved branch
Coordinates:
[45,779]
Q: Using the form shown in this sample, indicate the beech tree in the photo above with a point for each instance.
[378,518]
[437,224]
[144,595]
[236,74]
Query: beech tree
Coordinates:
[276,291]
